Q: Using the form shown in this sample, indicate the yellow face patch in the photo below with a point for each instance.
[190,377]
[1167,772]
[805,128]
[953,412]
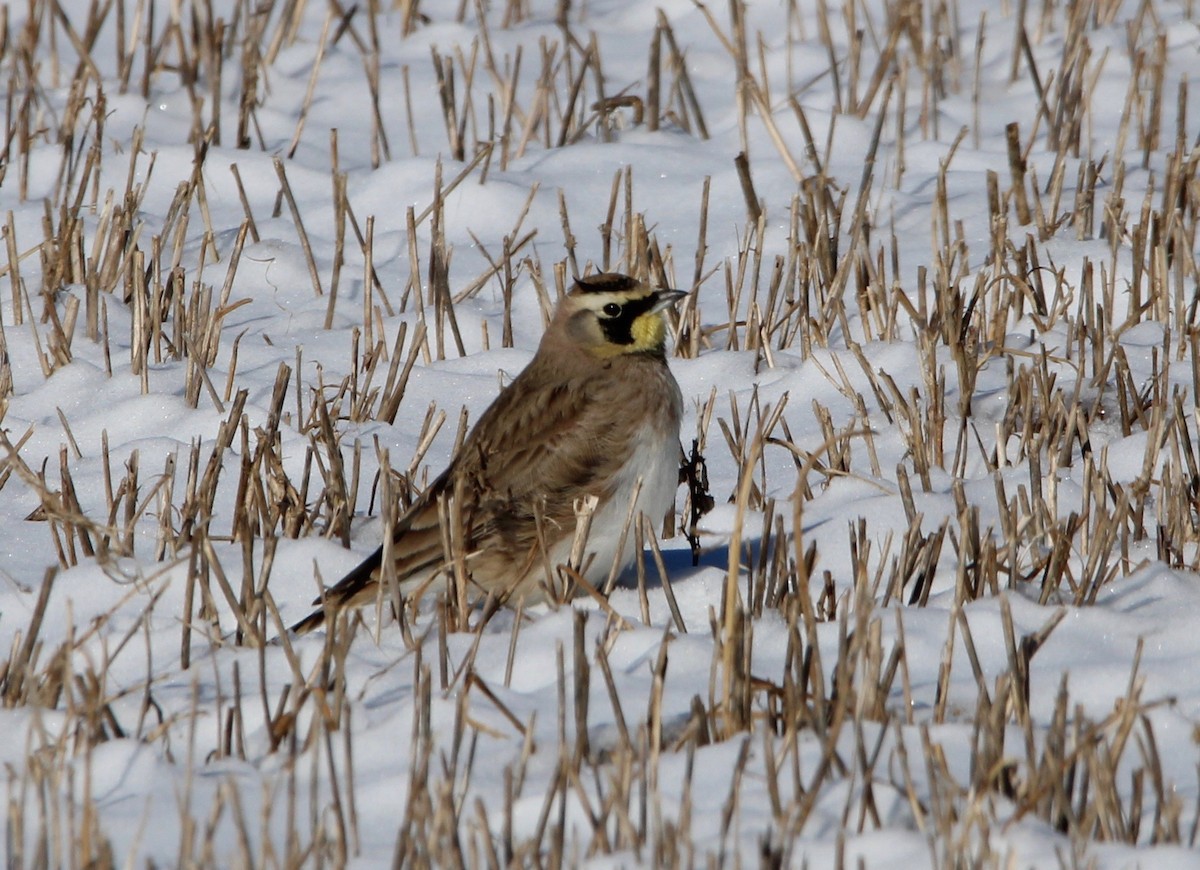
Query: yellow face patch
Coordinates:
[649,332]
[627,322]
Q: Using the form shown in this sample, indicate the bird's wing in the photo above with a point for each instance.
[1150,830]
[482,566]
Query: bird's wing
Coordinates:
[541,447]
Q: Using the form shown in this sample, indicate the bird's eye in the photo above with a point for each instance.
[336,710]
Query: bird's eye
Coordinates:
[612,309]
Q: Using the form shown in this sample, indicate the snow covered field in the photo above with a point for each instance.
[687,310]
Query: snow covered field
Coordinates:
[941,358]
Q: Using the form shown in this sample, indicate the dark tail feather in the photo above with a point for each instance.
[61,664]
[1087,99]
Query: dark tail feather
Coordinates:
[344,593]
[309,623]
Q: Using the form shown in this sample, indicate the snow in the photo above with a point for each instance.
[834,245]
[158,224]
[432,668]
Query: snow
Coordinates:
[171,758]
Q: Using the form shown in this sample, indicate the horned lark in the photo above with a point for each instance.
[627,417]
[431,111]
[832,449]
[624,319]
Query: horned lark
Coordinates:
[595,413]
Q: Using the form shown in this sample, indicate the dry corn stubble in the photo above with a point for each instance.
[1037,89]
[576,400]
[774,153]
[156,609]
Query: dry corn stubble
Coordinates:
[841,708]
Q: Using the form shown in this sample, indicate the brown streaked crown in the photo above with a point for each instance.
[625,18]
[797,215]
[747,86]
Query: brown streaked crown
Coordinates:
[607,282]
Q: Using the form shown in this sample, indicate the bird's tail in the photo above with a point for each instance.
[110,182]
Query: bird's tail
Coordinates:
[359,583]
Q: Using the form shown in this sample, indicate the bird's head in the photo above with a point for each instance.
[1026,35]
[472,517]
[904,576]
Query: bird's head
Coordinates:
[609,314]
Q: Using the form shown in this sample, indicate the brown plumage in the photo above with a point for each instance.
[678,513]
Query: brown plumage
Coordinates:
[595,411]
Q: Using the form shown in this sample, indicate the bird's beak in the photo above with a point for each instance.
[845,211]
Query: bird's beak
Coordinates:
[666,298]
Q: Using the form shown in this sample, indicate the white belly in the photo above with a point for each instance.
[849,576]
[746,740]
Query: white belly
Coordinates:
[655,463]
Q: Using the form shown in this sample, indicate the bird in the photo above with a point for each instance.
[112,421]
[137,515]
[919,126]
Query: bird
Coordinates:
[595,413]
